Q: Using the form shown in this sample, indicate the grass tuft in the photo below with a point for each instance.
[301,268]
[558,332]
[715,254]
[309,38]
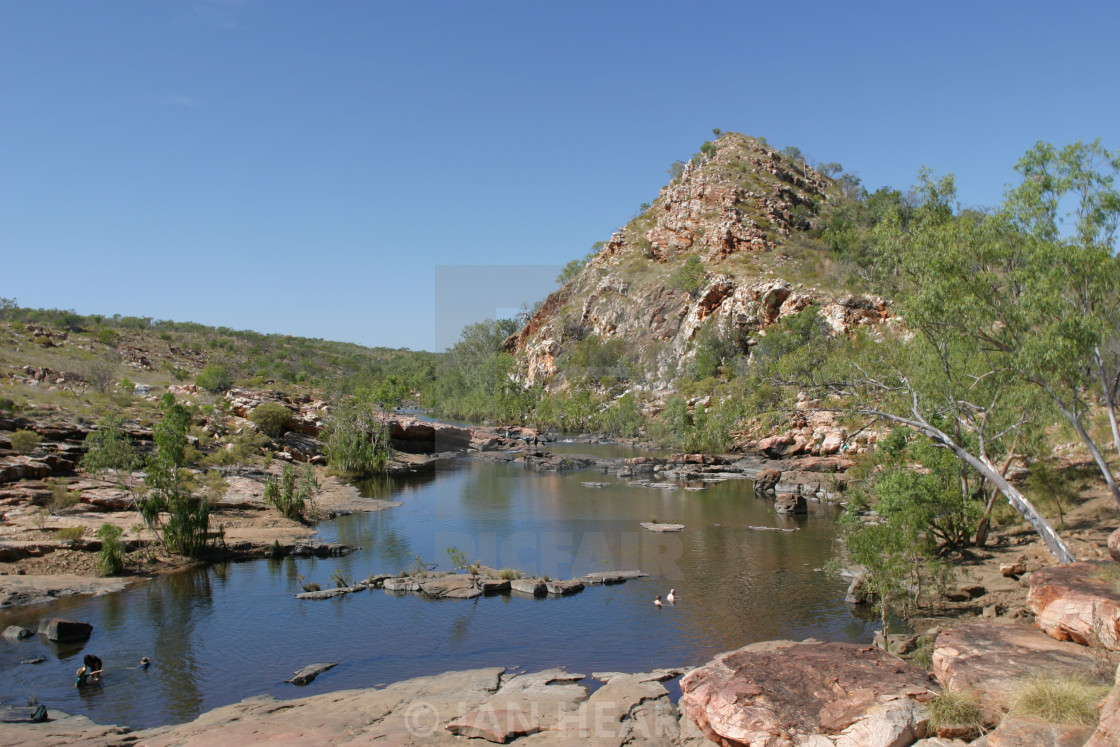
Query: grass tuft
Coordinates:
[957,708]
[1065,700]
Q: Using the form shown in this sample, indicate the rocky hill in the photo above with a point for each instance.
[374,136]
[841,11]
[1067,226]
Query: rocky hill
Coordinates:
[721,248]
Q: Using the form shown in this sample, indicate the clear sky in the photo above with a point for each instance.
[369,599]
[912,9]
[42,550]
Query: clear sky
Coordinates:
[319,168]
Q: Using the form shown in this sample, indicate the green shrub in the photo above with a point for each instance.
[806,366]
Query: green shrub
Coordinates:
[295,501]
[270,418]
[689,277]
[25,442]
[110,558]
[510,574]
[7,405]
[214,379]
[70,533]
[62,498]
[107,336]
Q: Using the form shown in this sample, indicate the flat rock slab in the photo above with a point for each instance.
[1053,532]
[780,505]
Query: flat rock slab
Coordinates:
[994,658]
[310,672]
[495,725]
[1029,732]
[1073,604]
[808,693]
[16,591]
[450,587]
[658,527]
[610,577]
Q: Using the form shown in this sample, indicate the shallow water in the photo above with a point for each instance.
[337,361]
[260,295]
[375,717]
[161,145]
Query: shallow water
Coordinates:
[224,633]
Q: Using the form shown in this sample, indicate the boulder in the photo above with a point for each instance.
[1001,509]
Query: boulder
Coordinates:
[857,592]
[1012,570]
[1114,545]
[493,585]
[15,633]
[563,588]
[311,671]
[790,503]
[1073,604]
[64,631]
[994,658]
[811,693]
[765,480]
[534,587]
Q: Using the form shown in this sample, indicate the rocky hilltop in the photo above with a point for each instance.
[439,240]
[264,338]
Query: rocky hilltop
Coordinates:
[737,207]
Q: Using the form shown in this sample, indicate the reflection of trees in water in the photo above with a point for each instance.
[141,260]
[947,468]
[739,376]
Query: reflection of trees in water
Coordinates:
[488,487]
[173,605]
[461,624]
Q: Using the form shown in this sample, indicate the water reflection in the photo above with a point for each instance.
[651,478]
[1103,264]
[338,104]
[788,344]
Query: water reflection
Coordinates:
[222,634]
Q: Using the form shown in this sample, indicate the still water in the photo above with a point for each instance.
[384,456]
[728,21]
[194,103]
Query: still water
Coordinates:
[223,633]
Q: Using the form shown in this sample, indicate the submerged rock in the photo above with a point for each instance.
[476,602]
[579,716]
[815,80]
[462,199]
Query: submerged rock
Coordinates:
[310,672]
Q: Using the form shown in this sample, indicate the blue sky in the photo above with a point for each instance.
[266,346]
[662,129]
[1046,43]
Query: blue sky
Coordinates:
[312,168]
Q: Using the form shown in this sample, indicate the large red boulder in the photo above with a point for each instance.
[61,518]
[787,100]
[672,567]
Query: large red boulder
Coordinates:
[778,693]
[1074,602]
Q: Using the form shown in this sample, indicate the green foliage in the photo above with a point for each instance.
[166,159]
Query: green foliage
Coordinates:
[339,580]
[294,499]
[108,336]
[25,441]
[621,418]
[110,558]
[214,378]
[62,498]
[593,359]
[509,574]
[355,443]
[186,528]
[474,378]
[457,557]
[689,277]
[70,533]
[7,405]
[270,417]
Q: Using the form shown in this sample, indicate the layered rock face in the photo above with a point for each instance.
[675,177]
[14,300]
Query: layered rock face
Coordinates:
[739,199]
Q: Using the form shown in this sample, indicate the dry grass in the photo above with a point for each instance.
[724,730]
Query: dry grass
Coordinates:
[957,708]
[1063,700]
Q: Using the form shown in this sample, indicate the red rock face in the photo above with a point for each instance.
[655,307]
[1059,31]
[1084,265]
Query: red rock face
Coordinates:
[756,696]
[1073,604]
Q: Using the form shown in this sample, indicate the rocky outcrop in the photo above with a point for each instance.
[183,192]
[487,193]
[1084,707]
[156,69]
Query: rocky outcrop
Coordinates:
[445,709]
[779,693]
[1073,603]
[65,631]
[738,197]
[994,658]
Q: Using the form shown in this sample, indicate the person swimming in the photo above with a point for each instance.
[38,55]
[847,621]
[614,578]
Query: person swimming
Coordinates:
[657,602]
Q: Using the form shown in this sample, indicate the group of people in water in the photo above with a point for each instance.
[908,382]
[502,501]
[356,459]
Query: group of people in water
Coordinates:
[671,598]
[92,669]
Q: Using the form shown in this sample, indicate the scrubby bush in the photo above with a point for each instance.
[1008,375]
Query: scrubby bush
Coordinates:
[70,533]
[957,708]
[214,379]
[110,558]
[25,441]
[689,277]
[270,418]
[7,405]
[62,498]
[295,500]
